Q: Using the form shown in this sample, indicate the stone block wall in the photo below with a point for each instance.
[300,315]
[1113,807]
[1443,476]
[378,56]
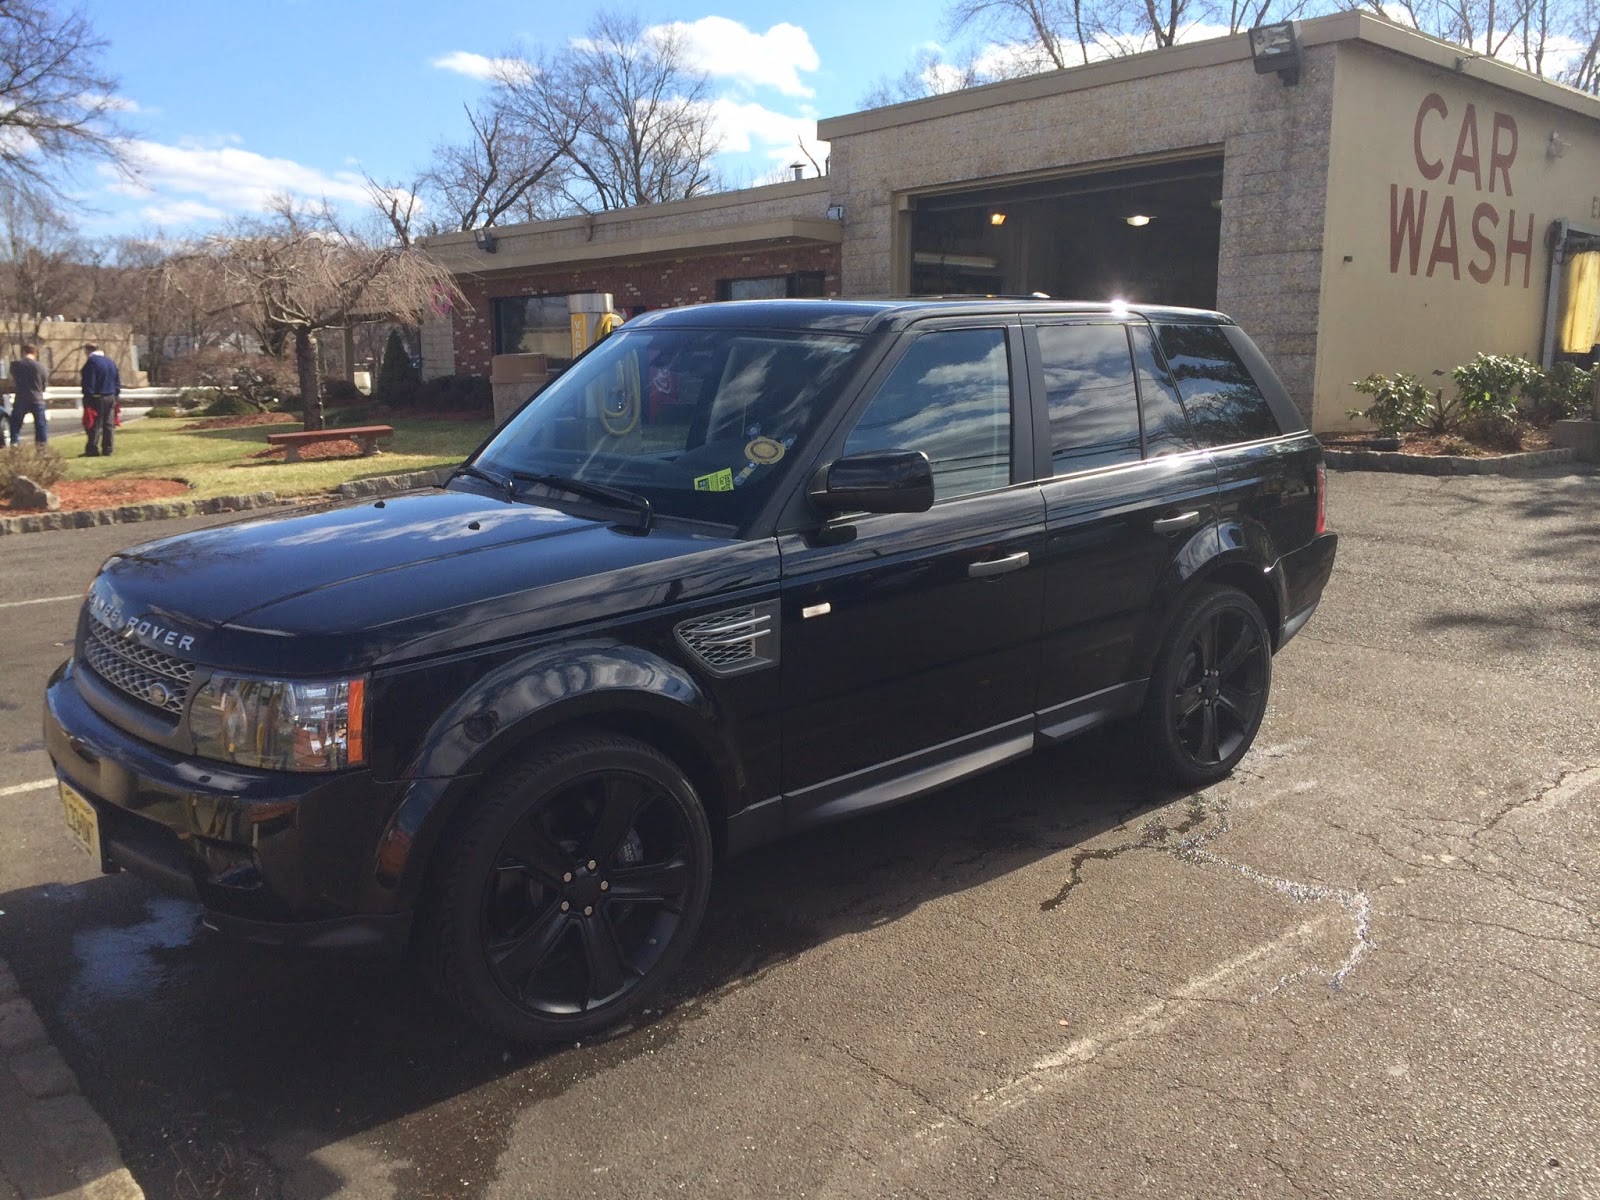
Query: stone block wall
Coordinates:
[1275,142]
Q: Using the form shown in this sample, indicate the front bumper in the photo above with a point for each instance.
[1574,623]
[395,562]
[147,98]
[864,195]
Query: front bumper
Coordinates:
[273,856]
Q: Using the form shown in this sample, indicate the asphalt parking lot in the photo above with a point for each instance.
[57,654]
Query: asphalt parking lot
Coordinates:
[1368,964]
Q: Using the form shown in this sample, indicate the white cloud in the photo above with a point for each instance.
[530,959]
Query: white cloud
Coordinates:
[225,179]
[180,212]
[746,127]
[119,104]
[726,49]
[481,66]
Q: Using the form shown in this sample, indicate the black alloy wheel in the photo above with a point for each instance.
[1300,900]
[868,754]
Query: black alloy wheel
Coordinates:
[575,891]
[1208,693]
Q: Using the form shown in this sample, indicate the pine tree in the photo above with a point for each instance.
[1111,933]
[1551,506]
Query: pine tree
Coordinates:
[395,374]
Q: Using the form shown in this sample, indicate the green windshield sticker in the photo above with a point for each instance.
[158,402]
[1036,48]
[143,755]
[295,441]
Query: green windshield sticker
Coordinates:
[717,481]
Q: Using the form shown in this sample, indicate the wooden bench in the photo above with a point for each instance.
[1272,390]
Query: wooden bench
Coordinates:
[367,435]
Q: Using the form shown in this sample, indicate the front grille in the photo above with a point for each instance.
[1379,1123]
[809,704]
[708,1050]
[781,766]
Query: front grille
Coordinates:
[739,639]
[149,676]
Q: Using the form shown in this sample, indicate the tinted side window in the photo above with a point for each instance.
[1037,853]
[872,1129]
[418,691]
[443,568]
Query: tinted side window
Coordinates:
[1223,401]
[950,397]
[1166,429]
[1094,409]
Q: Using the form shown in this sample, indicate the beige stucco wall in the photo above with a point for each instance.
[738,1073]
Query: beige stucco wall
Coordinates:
[1379,315]
[1274,140]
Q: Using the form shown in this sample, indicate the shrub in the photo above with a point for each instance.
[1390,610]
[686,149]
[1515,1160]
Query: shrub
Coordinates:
[396,374]
[341,391]
[162,411]
[1399,402]
[42,464]
[227,405]
[1565,390]
[258,378]
[1489,385]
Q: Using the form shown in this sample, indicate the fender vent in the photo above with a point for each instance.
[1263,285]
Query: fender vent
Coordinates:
[740,639]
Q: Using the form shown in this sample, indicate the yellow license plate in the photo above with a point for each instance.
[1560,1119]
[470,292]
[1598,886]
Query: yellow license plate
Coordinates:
[82,821]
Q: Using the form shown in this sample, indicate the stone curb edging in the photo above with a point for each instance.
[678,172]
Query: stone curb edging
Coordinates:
[1445,464]
[356,489]
[52,1143]
[159,510]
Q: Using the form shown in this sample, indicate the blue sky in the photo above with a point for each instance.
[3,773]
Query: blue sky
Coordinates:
[231,101]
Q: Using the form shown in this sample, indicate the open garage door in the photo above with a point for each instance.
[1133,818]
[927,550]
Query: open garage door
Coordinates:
[1143,234]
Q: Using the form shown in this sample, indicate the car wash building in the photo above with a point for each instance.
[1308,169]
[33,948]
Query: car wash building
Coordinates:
[1358,196]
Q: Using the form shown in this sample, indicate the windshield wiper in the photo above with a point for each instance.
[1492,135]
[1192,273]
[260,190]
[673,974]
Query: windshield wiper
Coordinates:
[590,491]
[505,485]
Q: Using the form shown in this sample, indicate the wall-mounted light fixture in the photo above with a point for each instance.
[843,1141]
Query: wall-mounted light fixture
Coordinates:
[997,218]
[835,212]
[485,240]
[1276,50]
[1556,147]
[1138,220]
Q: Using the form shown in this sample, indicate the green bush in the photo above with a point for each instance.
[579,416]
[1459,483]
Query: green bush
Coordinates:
[1399,403]
[163,412]
[336,391]
[1566,390]
[227,405]
[1489,385]
[258,378]
[42,464]
[396,374]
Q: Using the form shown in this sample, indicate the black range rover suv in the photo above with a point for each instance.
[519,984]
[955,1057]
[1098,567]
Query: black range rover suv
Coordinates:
[743,569]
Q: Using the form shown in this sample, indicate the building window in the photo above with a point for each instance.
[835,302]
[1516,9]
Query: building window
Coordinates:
[531,325]
[773,287]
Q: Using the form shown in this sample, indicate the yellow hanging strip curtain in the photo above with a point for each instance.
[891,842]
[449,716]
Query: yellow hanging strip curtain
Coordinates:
[1580,302]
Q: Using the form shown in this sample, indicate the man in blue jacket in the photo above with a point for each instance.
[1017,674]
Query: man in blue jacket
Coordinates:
[102,385]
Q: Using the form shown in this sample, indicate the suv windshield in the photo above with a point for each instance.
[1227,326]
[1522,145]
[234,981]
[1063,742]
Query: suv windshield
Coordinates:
[697,421]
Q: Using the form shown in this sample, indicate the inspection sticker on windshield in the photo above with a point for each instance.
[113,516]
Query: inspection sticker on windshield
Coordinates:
[717,481]
[764,451]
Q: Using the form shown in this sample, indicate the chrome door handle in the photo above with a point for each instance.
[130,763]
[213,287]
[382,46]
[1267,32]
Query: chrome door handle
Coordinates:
[998,566]
[1173,524]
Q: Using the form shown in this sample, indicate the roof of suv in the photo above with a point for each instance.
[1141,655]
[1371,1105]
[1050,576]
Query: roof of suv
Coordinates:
[861,316]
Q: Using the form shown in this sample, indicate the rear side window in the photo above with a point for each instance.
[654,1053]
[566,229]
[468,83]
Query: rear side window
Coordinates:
[1223,401]
[1094,406]
[950,397]
[1166,429]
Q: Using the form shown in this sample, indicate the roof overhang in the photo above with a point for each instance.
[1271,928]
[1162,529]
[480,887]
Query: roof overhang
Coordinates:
[1346,27]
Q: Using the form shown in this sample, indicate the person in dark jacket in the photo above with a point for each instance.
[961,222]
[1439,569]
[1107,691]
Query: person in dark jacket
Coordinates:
[29,377]
[102,385]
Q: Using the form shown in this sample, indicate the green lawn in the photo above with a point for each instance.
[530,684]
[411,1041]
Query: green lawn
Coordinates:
[218,463]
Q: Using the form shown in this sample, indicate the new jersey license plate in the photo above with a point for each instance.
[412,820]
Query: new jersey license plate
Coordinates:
[83,823]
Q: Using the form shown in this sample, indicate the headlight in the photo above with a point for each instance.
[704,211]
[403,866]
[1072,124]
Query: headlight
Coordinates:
[281,726]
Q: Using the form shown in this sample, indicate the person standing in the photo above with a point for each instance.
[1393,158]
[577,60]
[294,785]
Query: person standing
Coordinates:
[102,385]
[28,374]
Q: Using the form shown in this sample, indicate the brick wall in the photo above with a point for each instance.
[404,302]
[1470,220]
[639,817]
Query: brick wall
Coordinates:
[665,283]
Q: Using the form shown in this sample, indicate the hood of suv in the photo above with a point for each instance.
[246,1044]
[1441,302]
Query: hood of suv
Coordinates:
[358,585]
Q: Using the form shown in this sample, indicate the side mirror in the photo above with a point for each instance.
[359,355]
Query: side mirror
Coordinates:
[879,481]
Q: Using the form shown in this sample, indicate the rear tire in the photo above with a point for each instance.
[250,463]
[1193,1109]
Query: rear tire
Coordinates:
[573,892]
[1208,692]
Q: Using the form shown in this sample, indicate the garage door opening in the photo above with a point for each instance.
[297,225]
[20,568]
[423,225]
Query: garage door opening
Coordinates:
[1143,234]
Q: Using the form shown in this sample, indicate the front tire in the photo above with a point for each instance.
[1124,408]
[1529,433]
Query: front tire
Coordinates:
[573,892]
[1208,692]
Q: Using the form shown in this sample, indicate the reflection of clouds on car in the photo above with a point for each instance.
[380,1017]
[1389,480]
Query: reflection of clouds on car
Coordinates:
[949,396]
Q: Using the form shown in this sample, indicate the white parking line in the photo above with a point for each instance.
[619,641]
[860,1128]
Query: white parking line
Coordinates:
[38,785]
[41,600]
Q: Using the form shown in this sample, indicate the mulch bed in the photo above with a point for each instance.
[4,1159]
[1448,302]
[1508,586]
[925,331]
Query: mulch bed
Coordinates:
[1533,438]
[78,494]
[343,448]
[237,422]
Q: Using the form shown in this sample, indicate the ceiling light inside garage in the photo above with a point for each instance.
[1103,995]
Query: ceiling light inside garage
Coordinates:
[997,218]
[1138,220]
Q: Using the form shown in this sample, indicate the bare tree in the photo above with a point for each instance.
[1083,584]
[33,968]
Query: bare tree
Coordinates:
[930,74]
[45,270]
[642,120]
[57,104]
[300,270]
[517,151]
